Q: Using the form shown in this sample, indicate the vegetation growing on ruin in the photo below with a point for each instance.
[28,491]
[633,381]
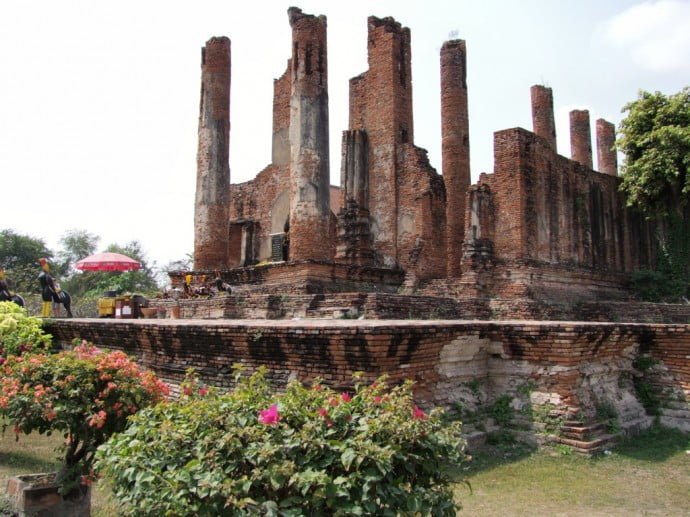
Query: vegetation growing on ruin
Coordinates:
[655,137]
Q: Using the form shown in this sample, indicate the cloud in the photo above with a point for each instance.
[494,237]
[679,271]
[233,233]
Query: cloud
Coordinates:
[656,33]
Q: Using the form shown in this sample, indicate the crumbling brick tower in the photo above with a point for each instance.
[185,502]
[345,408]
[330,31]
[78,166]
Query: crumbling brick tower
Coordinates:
[309,166]
[213,166]
[405,195]
[456,148]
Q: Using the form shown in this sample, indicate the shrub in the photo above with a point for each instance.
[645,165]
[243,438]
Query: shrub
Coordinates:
[85,393]
[308,451]
[19,332]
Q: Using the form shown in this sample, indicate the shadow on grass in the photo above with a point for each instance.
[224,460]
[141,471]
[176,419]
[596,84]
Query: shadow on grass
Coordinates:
[25,461]
[655,444]
[501,448]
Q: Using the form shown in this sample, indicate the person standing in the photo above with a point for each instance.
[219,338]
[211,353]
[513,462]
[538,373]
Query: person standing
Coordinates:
[49,293]
[5,295]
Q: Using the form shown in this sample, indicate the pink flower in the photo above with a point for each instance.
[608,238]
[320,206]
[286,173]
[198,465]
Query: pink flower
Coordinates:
[203,391]
[98,420]
[269,416]
[333,401]
[346,397]
[187,391]
[418,414]
[377,399]
[324,413]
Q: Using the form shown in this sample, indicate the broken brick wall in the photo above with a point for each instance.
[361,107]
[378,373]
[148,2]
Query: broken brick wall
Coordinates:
[554,210]
[406,195]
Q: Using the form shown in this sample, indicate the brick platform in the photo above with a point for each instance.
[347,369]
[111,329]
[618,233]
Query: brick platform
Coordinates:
[570,367]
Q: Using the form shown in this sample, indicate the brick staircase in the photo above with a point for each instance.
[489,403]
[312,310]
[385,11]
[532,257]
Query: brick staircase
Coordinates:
[588,439]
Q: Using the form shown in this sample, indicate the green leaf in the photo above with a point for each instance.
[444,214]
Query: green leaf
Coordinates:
[347,457]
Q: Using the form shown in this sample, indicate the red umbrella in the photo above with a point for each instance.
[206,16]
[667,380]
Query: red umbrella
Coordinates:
[107,262]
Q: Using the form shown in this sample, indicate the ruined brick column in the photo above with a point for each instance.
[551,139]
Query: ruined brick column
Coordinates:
[606,151]
[580,137]
[211,233]
[309,167]
[456,148]
[353,244]
[542,114]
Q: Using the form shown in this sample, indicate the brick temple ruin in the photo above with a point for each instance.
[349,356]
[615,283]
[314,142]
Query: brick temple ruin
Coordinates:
[539,226]
[446,279]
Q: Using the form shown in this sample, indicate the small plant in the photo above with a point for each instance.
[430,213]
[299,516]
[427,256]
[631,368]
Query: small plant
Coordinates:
[474,386]
[308,451]
[527,388]
[606,413]
[20,333]
[648,393]
[501,410]
[644,363]
[563,449]
[84,393]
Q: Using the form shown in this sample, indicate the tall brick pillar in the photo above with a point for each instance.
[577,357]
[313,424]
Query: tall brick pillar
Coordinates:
[542,114]
[381,104]
[456,148]
[606,151]
[580,137]
[309,167]
[211,214]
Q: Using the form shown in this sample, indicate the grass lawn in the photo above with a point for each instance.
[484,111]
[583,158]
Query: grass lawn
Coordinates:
[647,475]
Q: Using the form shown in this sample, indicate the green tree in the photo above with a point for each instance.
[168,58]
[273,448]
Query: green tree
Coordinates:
[655,137]
[76,245]
[19,256]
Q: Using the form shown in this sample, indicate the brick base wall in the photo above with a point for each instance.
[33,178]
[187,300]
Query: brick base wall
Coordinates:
[569,368]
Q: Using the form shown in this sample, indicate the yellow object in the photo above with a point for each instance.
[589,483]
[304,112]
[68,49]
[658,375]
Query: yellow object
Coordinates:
[106,307]
[46,309]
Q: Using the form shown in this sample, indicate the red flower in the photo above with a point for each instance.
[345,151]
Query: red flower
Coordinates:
[418,414]
[346,397]
[269,416]
[203,391]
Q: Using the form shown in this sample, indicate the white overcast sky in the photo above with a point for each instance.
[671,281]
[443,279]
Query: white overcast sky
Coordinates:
[99,100]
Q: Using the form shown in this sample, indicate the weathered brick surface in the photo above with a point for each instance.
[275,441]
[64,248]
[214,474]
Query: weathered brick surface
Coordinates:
[554,213]
[580,138]
[607,161]
[455,148]
[542,114]
[573,364]
[310,228]
[213,166]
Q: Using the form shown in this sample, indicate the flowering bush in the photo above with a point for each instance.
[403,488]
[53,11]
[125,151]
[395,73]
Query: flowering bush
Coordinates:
[19,332]
[308,451]
[85,393]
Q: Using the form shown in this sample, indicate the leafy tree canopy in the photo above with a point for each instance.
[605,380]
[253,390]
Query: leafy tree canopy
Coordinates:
[19,255]
[76,245]
[655,137]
